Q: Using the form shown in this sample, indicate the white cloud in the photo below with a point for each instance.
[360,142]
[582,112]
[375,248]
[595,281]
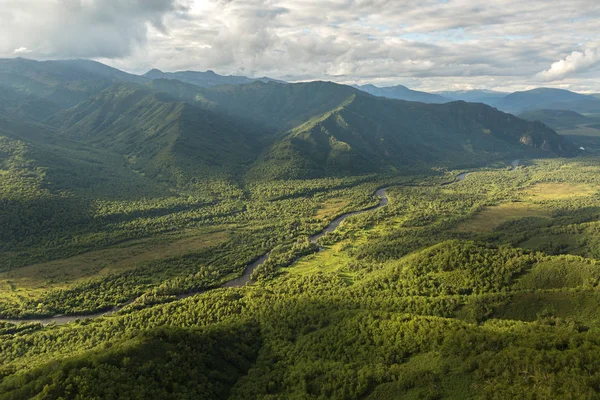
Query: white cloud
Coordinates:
[21,50]
[81,28]
[499,44]
[576,62]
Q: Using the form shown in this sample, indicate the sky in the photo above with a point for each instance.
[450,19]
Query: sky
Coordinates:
[430,45]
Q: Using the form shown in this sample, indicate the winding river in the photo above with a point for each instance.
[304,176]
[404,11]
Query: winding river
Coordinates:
[242,279]
[245,277]
[234,283]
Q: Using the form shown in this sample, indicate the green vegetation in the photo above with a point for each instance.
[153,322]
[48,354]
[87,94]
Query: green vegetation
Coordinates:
[409,136]
[405,305]
[35,90]
[152,196]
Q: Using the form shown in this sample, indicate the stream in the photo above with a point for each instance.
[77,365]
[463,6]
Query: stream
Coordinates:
[236,282]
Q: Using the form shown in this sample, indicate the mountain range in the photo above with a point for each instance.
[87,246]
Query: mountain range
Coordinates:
[548,98]
[514,103]
[205,79]
[166,128]
[570,113]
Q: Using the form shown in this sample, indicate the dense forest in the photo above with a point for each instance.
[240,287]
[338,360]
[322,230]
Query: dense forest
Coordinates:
[447,292]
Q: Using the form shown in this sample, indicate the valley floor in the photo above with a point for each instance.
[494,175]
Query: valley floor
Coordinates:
[484,288]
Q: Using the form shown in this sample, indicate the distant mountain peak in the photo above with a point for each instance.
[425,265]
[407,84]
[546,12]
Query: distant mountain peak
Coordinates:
[154,73]
[401,92]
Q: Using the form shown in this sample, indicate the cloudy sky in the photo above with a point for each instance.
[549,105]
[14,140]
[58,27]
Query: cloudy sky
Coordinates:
[424,44]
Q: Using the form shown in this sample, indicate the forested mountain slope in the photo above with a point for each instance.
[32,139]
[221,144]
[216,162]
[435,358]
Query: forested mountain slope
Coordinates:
[39,88]
[60,163]
[279,106]
[173,131]
[557,119]
[160,136]
[373,134]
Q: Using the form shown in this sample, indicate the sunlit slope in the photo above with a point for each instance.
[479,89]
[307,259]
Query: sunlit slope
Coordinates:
[369,134]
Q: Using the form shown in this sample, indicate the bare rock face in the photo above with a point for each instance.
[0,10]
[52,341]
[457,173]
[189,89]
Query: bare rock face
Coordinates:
[527,140]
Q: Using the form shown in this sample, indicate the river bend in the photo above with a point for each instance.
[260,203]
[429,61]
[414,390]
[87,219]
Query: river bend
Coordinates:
[242,279]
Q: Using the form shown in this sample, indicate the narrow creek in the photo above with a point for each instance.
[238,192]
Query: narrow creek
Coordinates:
[236,282]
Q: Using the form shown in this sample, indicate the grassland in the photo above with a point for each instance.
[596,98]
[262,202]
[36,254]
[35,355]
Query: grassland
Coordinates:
[334,260]
[36,279]
[529,205]
[568,242]
[492,217]
[331,207]
[558,191]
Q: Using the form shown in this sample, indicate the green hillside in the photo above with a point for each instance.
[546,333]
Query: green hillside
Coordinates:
[159,136]
[26,106]
[176,132]
[35,90]
[65,164]
[378,135]
[279,106]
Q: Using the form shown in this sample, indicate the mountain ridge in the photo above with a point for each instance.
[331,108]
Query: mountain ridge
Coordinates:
[207,78]
[405,134]
[401,92]
[548,98]
[161,136]
[173,131]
